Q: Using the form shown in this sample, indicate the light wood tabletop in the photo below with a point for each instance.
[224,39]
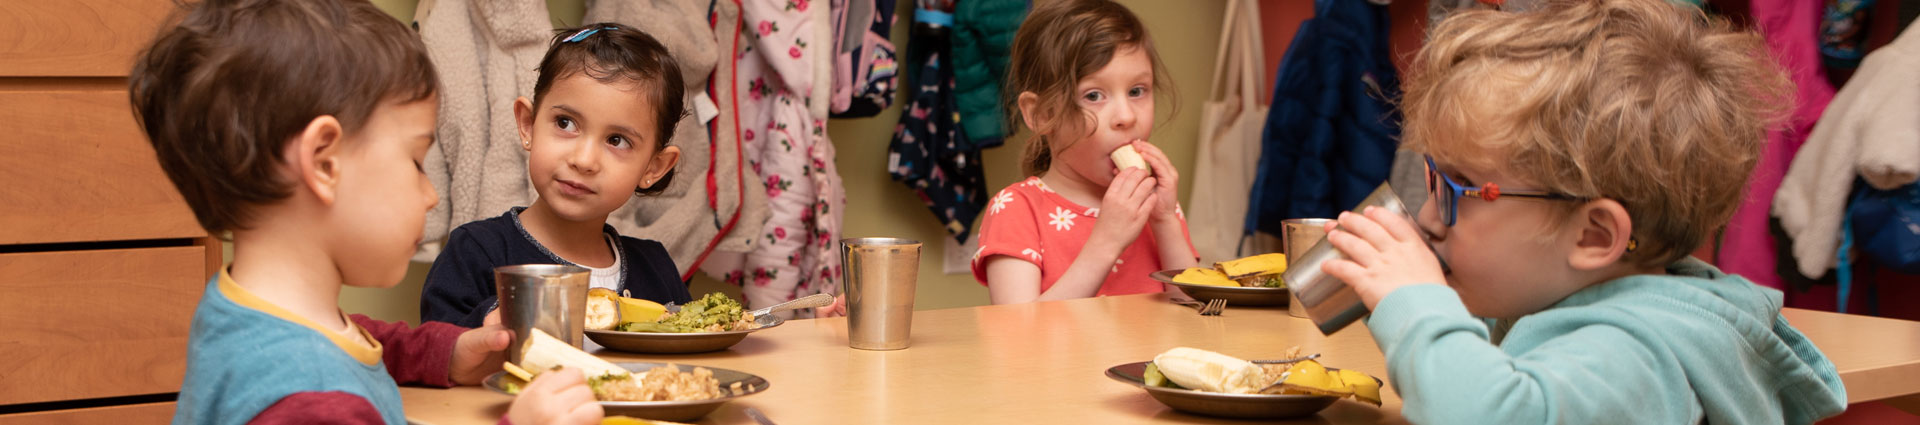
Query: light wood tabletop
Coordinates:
[1044,363]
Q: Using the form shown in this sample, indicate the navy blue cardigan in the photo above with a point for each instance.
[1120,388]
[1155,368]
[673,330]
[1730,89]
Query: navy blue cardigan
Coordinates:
[459,288]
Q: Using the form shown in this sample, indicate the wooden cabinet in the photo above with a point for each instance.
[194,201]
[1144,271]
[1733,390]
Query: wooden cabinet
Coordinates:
[101,262]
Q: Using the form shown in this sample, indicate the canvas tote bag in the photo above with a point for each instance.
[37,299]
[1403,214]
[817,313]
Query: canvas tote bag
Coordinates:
[1229,148]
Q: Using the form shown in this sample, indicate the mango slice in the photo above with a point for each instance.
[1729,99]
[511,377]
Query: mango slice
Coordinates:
[1208,277]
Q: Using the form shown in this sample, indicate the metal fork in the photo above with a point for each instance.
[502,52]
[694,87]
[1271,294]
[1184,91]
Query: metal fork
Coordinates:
[758,417]
[1212,307]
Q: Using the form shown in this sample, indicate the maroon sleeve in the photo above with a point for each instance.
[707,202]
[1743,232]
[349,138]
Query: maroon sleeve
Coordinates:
[317,407]
[418,356]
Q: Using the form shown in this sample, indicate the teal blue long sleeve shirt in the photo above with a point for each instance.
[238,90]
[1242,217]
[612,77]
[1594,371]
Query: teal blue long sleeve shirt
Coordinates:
[1690,346]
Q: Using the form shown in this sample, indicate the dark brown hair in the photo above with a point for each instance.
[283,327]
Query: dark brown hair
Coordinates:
[618,53]
[221,92]
[1060,43]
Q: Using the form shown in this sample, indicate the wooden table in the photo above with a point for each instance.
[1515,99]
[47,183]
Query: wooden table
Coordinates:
[1044,363]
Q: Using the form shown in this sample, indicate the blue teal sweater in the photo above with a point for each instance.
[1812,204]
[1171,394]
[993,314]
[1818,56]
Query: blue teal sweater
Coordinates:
[240,360]
[1693,345]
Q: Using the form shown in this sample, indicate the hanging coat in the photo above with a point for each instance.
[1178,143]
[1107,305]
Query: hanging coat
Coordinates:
[1331,131]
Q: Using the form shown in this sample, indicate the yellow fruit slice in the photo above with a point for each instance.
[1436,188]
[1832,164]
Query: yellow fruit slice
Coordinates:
[1208,277]
[639,310]
[628,420]
[1253,266]
[1309,377]
[602,311]
[1365,388]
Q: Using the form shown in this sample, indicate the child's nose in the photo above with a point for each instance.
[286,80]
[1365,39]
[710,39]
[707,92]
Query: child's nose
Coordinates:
[585,157]
[1124,115]
[433,196]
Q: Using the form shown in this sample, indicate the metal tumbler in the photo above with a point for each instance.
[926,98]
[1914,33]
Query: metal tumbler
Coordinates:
[548,297]
[880,277]
[1297,236]
[1330,303]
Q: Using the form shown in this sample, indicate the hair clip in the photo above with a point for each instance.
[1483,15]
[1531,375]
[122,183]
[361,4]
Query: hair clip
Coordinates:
[583,34]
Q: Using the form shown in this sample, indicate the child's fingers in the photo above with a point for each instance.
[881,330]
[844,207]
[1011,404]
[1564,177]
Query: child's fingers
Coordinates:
[584,414]
[1145,188]
[1355,248]
[493,318]
[1397,225]
[1345,270]
[1162,167]
[1365,228]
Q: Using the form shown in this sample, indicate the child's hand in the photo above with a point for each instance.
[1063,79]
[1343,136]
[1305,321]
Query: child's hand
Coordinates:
[837,309]
[1166,181]
[479,351]
[556,397]
[1384,253]
[1124,209]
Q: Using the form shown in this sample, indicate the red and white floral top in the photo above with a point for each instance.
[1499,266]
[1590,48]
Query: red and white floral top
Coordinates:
[1030,222]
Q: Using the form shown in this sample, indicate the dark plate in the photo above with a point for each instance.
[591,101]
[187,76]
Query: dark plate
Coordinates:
[1236,296]
[677,343]
[1243,406]
[670,410]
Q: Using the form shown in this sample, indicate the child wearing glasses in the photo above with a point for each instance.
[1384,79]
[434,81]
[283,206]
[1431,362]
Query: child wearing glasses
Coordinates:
[1576,155]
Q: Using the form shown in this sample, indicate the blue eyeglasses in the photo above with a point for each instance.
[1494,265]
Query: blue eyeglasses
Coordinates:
[1449,198]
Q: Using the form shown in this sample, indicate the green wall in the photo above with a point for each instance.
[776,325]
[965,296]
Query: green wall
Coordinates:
[1186,34]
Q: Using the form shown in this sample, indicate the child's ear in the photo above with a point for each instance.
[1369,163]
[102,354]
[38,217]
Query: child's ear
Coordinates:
[1603,233]
[315,157]
[523,117]
[662,162]
[1030,111]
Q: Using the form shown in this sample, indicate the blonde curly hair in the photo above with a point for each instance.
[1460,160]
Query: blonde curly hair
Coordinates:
[1654,105]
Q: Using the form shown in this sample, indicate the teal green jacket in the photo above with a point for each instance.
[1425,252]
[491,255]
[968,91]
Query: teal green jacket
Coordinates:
[982,44]
[1690,346]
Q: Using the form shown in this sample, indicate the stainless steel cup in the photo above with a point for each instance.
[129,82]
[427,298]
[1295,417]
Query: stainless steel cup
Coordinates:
[548,297]
[1329,302]
[880,277]
[1299,235]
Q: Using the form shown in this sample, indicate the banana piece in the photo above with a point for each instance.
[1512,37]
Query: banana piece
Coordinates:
[602,311]
[1127,157]
[606,309]
[544,352]
[1209,371]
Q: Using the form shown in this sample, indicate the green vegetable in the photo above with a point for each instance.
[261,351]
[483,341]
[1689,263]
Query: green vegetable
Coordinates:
[512,387]
[712,309]
[1154,378]
[595,383]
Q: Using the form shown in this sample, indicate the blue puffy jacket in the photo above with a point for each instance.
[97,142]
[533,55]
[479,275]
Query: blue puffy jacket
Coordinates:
[1331,133]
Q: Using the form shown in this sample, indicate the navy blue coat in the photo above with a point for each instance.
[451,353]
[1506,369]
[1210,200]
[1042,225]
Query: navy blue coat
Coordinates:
[1331,133]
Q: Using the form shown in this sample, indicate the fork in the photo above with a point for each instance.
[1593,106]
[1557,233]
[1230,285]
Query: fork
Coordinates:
[758,417]
[1212,307]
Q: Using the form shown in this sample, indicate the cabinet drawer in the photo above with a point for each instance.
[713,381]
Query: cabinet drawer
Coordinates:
[150,413]
[77,169]
[92,324]
[94,38]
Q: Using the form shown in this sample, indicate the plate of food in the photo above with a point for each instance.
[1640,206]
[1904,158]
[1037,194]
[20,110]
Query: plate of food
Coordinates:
[662,391]
[711,323]
[1250,281]
[1206,383]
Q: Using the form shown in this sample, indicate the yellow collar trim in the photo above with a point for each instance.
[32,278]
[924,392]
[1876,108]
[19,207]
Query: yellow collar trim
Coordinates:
[366,354]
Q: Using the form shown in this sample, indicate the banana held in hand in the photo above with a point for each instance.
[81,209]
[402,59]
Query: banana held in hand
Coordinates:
[1126,157]
[1209,371]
